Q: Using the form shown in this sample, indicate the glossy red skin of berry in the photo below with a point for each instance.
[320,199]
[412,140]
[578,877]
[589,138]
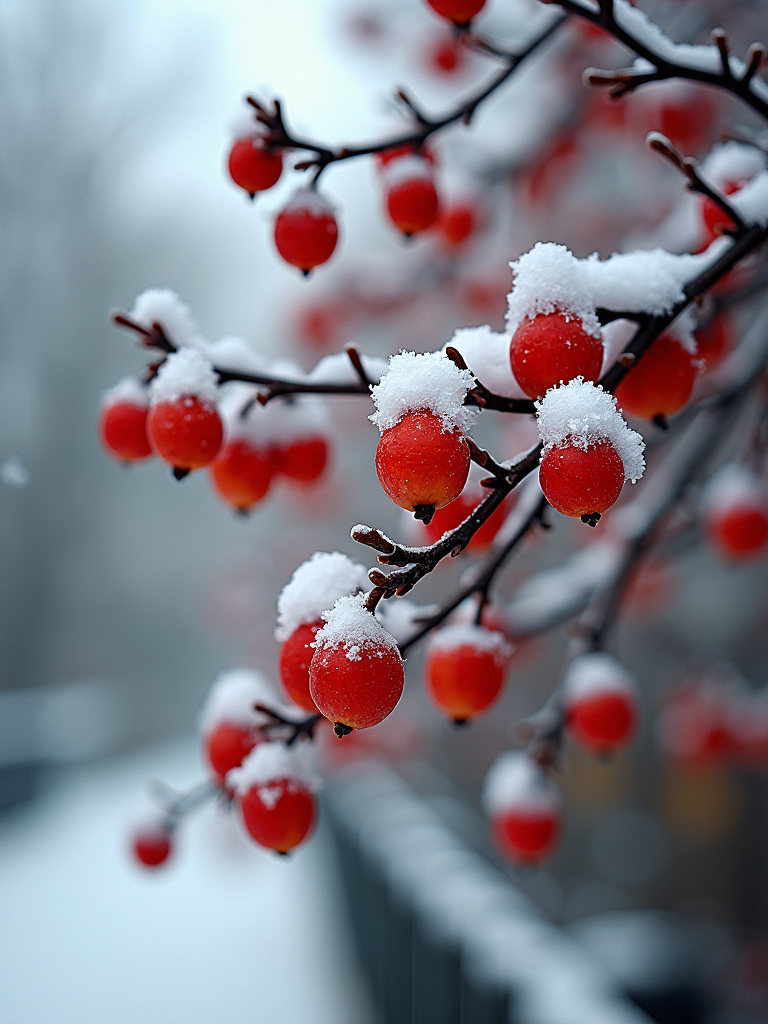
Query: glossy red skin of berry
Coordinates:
[740,532]
[457,224]
[463,682]
[305,239]
[123,431]
[413,205]
[459,11]
[713,342]
[226,746]
[549,349]
[660,383]
[303,461]
[578,482]
[450,516]
[602,722]
[286,823]
[252,167]
[186,433]
[241,474]
[525,836]
[418,463]
[151,849]
[356,693]
[295,656]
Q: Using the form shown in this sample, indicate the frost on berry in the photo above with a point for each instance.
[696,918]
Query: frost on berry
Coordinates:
[351,627]
[184,374]
[269,766]
[231,700]
[427,382]
[316,586]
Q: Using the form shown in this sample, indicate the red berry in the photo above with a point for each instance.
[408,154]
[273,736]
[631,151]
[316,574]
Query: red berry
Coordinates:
[603,722]
[152,847]
[714,341]
[460,12]
[457,223]
[661,382]
[186,433]
[552,348]
[252,166]
[226,746]
[525,836]
[420,463]
[123,431]
[578,481]
[241,474]
[464,670]
[306,231]
[303,460]
[412,204]
[295,657]
[739,532]
[278,815]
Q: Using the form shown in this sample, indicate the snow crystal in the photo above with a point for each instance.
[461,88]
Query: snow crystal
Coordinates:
[164,306]
[732,163]
[337,369]
[487,355]
[596,672]
[129,389]
[350,625]
[184,373]
[468,634]
[13,472]
[423,382]
[231,698]
[516,782]
[309,199]
[581,413]
[270,763]
[314,587]
[732,485]
[547,279]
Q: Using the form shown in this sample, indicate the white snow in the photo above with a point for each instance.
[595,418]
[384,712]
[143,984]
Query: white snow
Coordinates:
[583,414]
[424,382]
[184,374]
[515,782]
[164,306]
[732,163]
[270,763]
[231,699]
[315,587]
[399,616]
[593,673]
[280,422]
[486,353]
[644,281]
[310,199]
[547,279]
[406,168]
[468,634]
[752,200]
[130,390]
[337,369]
[349,625]
[234,353]
[734,485]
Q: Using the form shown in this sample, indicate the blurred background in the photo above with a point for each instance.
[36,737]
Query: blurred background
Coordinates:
[124,593]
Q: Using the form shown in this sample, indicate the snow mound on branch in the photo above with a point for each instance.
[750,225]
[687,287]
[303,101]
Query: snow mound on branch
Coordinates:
[311,201]
[184,374]
[582,414]
[468,634]
[752,200]
[316,586]
[487,356]
[269,764]
[164,306]
[550,279]
[129,389]
[596,672]
[515,782]
[231,699]
[276,424]
[234,353]
[337,369]
[733,163]
[351,626]
[731,486]
[415,383]
[645,281]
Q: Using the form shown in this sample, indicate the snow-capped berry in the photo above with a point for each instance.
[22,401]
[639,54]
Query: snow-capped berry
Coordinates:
[523,807]
[461,12]
[589,451]
[241,474]
[661,381]
[552,348]
[356,673]
[306,231]
[735,513]
[226,746]
[411,196]
[152,847]
[303,460]
[123,421]
[464,669]
[274,787]
[229,721]
[600,702]
[252,166]
[183,423]
[315,586]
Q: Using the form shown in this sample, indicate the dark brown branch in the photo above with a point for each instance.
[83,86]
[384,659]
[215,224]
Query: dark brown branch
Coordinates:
[290,730]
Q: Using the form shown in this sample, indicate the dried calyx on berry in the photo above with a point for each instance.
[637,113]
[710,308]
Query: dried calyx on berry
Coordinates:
[600,702]
[523,807]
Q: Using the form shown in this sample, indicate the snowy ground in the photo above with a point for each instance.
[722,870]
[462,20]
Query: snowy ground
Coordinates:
[226,932]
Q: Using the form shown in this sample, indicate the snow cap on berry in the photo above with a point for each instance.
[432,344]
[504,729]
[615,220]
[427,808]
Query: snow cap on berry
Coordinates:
[349,625]
[184,374]
[410,167]
[516,783]
[733,486]
[419,383]
[163,306]
[468,634]
[310,200]
[268,766]
[231,699]
[550,279]
[733,163]
[596,673]
[314,587]
[129,390]
[582,414]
